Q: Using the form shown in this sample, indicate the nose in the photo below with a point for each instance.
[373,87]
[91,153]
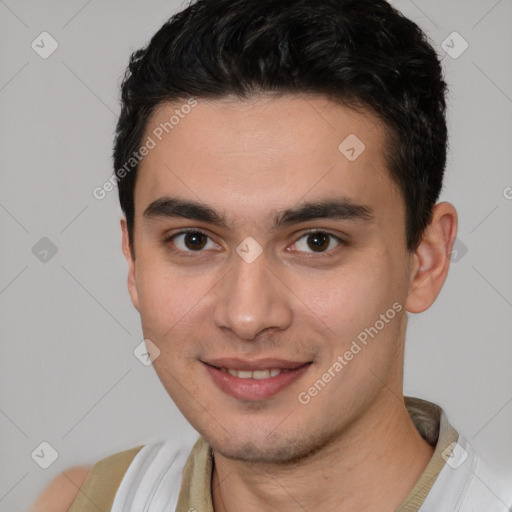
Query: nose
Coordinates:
[251,299]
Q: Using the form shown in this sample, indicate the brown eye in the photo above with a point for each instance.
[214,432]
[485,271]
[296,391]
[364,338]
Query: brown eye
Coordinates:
[192,241]
[317,241]
[195,241]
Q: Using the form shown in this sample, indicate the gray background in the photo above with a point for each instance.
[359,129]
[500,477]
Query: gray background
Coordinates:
[68,330]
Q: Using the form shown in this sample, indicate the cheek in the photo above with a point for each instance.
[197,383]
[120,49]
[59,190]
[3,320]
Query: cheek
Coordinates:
[349,298]
[168,299]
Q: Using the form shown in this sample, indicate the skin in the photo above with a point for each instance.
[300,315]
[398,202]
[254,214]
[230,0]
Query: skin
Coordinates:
[59,494]
[353,446]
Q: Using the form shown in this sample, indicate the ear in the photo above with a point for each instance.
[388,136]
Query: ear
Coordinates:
[128,254]
[432,259]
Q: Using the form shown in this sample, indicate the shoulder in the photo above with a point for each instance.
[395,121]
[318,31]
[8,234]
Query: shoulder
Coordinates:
[468,483]
[118,481]
[490,486]
[59,494]
[102,478]
[155,476]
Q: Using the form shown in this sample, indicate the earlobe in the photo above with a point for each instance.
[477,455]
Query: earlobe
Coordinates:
[128,254]
[432,259]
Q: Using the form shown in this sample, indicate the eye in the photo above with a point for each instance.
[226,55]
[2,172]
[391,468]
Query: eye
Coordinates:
[317,241]
[192,241]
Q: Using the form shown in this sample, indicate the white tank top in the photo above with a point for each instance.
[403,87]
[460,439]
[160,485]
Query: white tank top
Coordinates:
[465,484]
[153,479]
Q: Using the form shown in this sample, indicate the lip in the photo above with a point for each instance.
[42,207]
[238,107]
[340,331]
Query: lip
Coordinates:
[257,364]
[255,389]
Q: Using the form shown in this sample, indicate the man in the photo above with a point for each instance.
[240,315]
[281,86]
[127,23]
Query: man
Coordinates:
[278,165]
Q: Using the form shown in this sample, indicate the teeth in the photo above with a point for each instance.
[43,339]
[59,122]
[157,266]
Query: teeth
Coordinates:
[261,374]
[257,374]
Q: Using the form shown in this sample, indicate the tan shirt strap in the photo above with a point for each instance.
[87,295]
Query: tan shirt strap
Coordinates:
[100,487]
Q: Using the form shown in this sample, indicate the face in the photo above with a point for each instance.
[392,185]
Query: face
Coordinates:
[261,245]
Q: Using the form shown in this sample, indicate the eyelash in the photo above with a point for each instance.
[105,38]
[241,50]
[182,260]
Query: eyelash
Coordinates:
[304,234]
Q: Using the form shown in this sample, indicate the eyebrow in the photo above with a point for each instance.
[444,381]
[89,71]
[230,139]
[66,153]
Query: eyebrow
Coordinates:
[333,208]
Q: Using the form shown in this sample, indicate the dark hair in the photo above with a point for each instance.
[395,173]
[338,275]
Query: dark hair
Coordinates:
[360,53]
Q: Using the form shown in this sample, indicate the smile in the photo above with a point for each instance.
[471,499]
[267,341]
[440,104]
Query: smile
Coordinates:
[255,384]
[258,374]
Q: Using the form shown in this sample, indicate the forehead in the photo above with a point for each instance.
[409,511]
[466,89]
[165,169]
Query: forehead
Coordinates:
[253,156]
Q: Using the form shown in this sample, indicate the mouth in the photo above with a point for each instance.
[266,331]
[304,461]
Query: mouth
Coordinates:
[255,380]
[255,374]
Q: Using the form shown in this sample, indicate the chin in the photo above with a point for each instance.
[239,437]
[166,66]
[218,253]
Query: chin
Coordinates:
[274,448]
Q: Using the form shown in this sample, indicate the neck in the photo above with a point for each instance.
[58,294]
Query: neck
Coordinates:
[372,466]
